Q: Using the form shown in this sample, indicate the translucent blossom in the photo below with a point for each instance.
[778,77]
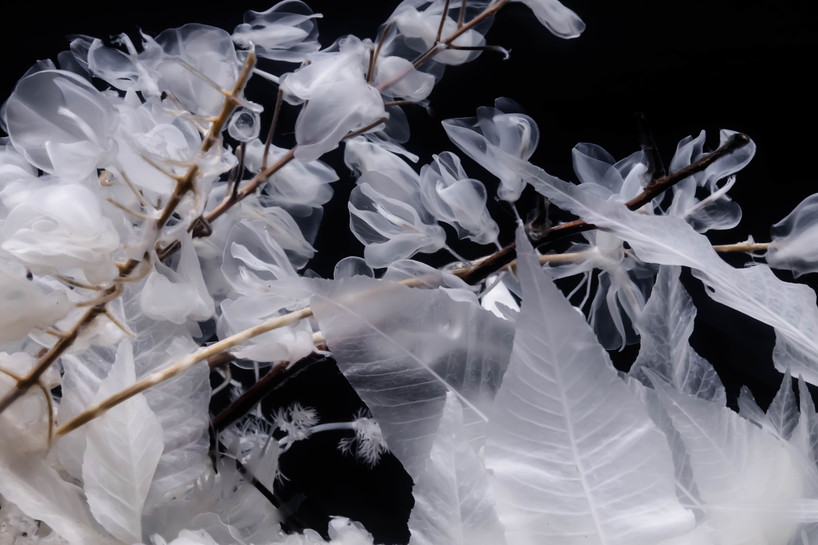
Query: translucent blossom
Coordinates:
[601,173]
[148,131]
[387,223]
[16,175]
[177,295]
[453,198]
[25,305]
[121,69]
[623,285]
[192,63]
[298,187]
[398,78]
[285,32]
[420,27]
[558,19]
[368,443]
[339,99]
[61,227]
[500,141]
[264,285]
[244,125]
[60,123]
[794,244]
[699,199]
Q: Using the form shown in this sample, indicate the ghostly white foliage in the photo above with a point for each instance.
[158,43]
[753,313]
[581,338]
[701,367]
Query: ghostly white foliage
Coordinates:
[177,295]
[665,327]
[338,98]
[60,123]
[122,451]
[747,478]
[793,245]
[755,291]
[60,227]
[383,215]
[715,210]
[558,19]
[599,171]
[453,499]
[453,198]
[193,63]
[500,140]
[264,284]
[403,349]
[26,304]
[285,32]
[564,431]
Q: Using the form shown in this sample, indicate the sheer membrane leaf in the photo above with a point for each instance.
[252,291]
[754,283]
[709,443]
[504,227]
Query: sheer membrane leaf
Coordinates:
[793,245]
[402,349]
[122,452]
[554,16]
[453,500]
[749,481]
[755,291]
[564,430]
[665,327]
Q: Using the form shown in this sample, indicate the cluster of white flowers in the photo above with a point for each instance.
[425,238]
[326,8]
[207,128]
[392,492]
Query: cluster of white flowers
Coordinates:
[148,222]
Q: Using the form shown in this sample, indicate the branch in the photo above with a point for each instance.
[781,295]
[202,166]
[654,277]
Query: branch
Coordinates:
[497,261]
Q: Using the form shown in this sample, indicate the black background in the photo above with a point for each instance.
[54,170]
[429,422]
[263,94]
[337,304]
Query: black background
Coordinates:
[688,66]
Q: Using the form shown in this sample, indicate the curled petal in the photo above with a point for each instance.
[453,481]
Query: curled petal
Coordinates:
[390,228]
[61,227]
[794,237]
[285,32]
[60,123]
[558,19]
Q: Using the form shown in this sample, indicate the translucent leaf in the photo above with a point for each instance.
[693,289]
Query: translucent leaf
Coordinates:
[285,32]
[123,449]
[564,431]
[755,291]
[453,500]
[665,327]
[421,28]
[402,349]
[409,82]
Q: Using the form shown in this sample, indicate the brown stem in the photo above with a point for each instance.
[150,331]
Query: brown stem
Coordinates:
[503,257]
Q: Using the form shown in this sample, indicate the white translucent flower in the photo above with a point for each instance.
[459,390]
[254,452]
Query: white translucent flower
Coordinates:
[296,422]
[368,444]
[338,98]
[192,63]
[554,16]
[454,198]
[389,221]
[600,173]
[298,187]
[177,295]
[285,32]
[263,285]
[420,27]
[60,227]
[399,79]
[699,199]
[501,141]
[795,239]
[60,123]
[25,305]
